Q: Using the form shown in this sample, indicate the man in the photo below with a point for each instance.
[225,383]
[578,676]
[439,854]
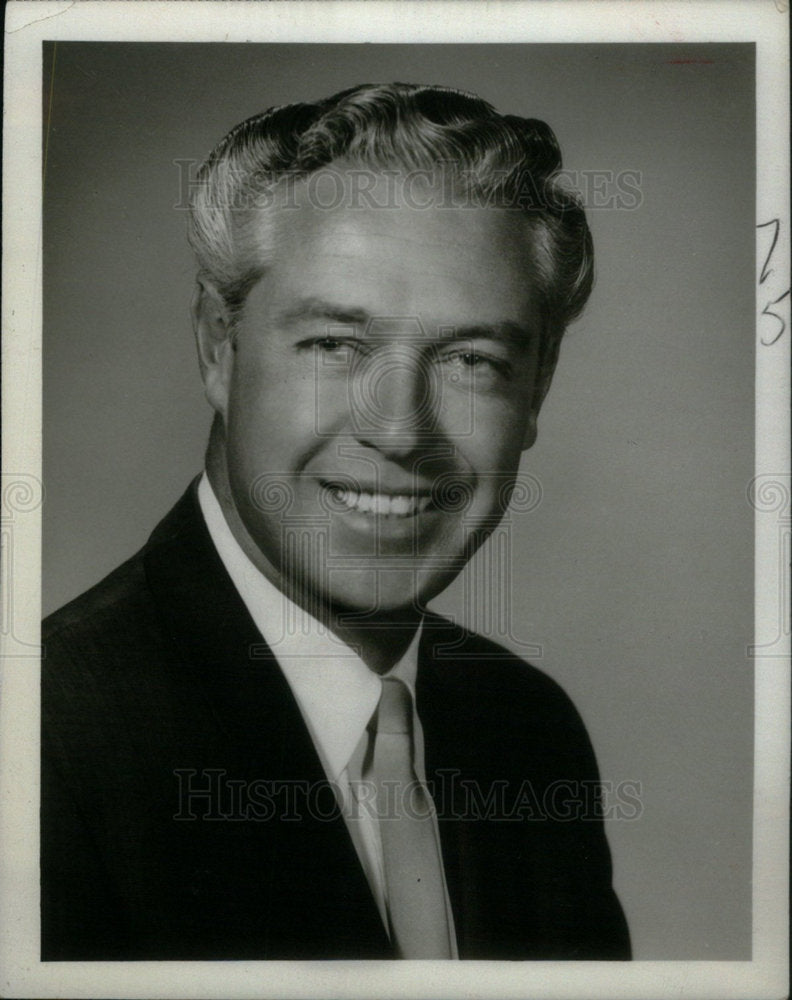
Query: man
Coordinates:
[257,743]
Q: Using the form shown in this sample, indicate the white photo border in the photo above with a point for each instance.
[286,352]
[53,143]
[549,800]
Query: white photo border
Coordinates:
[28,24]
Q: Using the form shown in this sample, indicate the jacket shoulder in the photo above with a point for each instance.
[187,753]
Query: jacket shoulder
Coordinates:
[119,608]
[112,630]
[111,599]
[502,698]
[455,653]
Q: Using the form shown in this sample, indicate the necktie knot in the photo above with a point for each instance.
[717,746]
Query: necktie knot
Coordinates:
[394,712]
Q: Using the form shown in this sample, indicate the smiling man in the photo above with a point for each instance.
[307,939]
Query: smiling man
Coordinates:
[257,742]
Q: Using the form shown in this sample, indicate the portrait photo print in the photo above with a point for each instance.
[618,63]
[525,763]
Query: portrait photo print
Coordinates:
[395,500]
[401,537]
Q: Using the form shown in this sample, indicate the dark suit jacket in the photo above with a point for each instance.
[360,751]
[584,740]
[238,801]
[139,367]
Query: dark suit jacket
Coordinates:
[156,684]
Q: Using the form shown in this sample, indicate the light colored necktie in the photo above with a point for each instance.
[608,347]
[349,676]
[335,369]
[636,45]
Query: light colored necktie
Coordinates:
[411,852]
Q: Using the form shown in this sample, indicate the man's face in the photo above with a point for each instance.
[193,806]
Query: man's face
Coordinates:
[381,390]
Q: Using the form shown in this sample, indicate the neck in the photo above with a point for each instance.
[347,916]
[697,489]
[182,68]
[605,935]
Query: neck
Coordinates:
[380,639]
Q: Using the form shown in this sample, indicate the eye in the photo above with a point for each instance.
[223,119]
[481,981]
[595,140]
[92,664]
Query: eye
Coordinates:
[333,354]
[469,364]
[329,344]
[473,360]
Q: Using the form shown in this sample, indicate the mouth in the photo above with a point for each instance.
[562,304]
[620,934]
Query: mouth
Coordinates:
[378,504]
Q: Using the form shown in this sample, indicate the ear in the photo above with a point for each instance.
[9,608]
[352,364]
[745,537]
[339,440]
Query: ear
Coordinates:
[544,377]
[529,436]
[214,342]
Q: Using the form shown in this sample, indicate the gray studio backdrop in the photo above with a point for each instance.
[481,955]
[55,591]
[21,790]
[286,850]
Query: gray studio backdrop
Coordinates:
[630,581]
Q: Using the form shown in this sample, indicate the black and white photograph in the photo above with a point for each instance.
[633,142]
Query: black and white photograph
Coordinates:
[395,500]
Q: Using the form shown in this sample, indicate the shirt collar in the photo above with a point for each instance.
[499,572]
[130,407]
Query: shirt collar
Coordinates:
[335,690]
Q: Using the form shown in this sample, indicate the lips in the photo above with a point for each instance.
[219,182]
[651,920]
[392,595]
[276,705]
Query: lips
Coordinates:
[378,504]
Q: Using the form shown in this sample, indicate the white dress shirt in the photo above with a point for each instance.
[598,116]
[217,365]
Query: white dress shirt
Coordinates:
[336,692]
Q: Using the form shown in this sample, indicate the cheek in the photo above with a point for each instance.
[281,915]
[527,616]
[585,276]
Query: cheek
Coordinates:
[250,419]
[487,431]
[292,392]
[274,423]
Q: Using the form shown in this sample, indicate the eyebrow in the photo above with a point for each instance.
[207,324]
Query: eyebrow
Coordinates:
[515,334]
[314,308]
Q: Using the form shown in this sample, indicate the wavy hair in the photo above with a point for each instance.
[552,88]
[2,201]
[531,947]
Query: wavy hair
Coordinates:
[493,159]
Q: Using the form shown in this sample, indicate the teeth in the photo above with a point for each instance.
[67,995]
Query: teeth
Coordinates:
[401,506]
[381,504]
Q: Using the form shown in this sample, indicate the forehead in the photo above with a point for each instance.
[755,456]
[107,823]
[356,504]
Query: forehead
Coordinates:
[399,248]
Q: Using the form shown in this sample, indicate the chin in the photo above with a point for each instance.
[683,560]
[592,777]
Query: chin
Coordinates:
[383,593]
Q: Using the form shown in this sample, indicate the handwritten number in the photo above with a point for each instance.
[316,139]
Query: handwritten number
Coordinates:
[767,271]
[767,311]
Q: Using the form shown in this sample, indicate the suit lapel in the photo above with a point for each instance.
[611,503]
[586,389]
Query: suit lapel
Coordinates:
[315,897]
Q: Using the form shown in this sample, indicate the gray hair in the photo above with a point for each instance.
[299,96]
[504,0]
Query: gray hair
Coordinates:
[502,160]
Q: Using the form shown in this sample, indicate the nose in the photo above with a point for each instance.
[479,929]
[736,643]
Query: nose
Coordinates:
[394,401]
